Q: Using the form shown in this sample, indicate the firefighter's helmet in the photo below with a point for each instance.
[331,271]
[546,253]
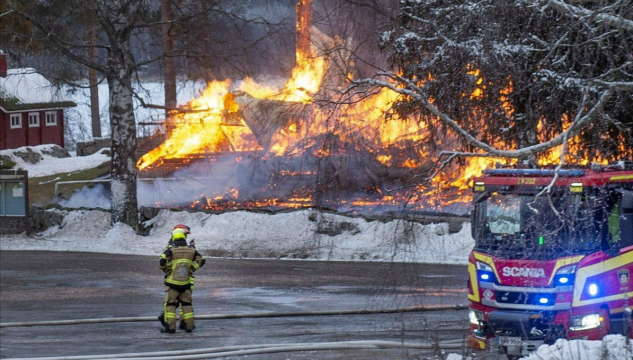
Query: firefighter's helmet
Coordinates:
[178,234]
[183,227]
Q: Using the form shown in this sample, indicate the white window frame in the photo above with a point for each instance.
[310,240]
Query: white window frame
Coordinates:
[52,118]
[18,123]
[35,123]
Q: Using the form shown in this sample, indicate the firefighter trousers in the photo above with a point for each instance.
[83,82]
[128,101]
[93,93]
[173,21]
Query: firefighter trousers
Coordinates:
[173,298]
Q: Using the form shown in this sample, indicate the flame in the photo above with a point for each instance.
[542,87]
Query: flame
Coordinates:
[205,130]
[304,83]
[474,168]
[214,125]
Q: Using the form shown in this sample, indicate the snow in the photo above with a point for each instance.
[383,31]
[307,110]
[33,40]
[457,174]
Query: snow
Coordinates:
[50,165]
[304,234]
[612,347]
[29,87]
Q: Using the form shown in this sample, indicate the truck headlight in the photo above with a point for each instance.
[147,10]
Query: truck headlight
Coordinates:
[485,272]
[593,290]
[565,275]
[475,316]
[585,322]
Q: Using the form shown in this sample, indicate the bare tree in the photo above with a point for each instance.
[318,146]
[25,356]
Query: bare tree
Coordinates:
[127,42]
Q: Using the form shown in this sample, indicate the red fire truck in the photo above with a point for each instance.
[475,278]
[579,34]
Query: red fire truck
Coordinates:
[553,256]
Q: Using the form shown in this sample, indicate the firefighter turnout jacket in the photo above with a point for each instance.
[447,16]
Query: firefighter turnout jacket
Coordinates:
[178,263]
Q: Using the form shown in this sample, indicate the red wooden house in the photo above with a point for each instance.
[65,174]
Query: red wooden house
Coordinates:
[31,110]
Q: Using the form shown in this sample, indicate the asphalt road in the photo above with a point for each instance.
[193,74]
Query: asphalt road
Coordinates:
[42,286]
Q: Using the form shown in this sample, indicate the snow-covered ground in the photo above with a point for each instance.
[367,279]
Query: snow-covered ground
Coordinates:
[303,234]
[309,234]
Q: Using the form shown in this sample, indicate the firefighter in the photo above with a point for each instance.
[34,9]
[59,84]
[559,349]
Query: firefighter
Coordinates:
[192,243]
[178,263]
[614,223]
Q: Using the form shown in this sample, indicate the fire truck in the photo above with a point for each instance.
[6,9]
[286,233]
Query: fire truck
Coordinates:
[553,256]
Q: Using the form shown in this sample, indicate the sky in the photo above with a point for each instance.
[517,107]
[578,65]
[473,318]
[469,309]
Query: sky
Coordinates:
[303,234]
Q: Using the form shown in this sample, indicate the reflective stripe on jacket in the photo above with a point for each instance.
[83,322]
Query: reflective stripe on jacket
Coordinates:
[178,263]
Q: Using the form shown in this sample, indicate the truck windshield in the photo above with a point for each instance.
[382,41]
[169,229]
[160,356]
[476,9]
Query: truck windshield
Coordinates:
[553,225]
[503,214]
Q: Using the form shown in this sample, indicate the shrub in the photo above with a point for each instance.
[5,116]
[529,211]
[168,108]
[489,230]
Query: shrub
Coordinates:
[6,164]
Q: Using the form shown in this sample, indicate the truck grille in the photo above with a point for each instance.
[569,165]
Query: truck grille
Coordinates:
[543,299]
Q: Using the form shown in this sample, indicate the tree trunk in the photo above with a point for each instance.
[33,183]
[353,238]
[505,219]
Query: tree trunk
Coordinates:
[124,172]
[169,67]
[94,90]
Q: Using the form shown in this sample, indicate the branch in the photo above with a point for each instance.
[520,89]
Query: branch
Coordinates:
[416,93]
[6,13]
[177,109]
[580,12]
[63,46]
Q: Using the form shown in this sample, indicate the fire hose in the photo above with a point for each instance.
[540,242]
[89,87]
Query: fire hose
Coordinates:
[239,316]
[242,350]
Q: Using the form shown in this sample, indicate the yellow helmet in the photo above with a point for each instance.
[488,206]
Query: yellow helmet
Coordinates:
[178,234]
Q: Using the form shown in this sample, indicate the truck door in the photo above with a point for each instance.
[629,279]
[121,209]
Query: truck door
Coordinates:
[626,219]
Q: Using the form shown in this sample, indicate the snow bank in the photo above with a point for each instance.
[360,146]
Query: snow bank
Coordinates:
[303,234]
[612,347]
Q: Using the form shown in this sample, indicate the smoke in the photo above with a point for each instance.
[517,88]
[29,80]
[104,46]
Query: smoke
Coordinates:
[93,196]
[230,182]
[204,180]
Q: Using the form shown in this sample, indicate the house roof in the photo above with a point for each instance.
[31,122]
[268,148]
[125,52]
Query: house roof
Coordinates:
[25,89]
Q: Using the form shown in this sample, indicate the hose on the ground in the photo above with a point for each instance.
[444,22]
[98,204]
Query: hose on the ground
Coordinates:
[226,351]
[239,316]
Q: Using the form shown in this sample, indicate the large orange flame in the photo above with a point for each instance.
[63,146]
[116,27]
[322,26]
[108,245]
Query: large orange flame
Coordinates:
[304,83]
[205,130]
[214,124]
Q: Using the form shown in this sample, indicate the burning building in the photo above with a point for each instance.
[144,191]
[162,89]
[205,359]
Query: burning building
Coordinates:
[299,143]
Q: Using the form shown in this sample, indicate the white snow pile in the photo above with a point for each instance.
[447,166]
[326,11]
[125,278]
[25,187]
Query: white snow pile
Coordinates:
[303,234]
[49,164]
[611,347]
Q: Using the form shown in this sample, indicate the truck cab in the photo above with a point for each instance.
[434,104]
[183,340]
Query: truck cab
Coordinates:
[553,256]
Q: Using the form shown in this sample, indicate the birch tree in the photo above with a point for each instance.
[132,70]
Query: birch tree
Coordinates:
[121,25]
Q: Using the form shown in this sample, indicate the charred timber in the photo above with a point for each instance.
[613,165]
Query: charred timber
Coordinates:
[266,117]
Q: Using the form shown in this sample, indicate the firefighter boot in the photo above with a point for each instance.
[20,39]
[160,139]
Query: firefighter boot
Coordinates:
[170,317]
[165,328]
[161,318]
[187,317]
